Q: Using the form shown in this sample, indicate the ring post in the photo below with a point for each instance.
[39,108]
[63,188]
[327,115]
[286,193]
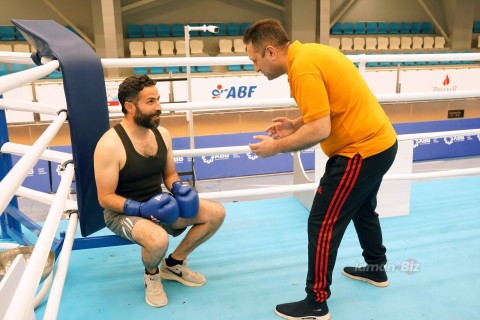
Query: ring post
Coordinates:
[6,221]
[85,93]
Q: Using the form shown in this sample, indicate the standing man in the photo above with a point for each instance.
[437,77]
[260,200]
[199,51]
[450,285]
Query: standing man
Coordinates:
[340,112]
[131,161]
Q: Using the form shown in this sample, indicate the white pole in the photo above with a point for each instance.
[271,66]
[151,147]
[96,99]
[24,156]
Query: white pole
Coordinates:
[23,297]
[53,304]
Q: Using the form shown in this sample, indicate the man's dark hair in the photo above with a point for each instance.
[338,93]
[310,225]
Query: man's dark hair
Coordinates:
[266,32]
[130,87]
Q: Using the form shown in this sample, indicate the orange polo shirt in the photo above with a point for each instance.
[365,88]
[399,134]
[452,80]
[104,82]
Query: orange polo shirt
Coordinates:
[323,82]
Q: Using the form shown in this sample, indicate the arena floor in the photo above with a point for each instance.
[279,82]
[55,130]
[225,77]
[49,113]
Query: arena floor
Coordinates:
[258,259]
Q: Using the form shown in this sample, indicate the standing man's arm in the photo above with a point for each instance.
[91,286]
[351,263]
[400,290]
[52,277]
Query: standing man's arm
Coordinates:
[307,135]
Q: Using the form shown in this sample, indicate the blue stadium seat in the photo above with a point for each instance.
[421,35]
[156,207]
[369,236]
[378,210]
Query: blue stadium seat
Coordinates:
[183,69]
[235,67]
[416,28]
[163,30]
[157,70]
[3,69]
[222,29]
[347,28]
[19,35]
[393,27]
[7,33]
[248,67]
[140,70]
[55,75]
[427,27]
[204,69]
[178,30]
[244,26]
[233,29]
[476,26]
[360,28]
[16,67]
[134,31]
[405,27]
[382,28]
[149,30]
[172,69]
[336,28]
[372,27]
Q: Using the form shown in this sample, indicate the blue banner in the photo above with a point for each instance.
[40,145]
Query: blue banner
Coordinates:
[38,178]
[235,165]
[440,148]
[45,176]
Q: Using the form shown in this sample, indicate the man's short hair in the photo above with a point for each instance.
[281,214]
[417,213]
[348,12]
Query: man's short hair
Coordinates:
[130,87]
[266,32]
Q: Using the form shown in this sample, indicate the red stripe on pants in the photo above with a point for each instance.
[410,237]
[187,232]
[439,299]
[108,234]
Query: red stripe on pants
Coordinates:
[324,237]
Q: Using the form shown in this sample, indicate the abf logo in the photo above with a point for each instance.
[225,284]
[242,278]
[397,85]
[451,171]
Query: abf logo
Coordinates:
[210,159]
[451,140]
[233,92]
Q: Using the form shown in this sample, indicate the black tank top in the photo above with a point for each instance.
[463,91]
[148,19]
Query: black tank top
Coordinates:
[141,177]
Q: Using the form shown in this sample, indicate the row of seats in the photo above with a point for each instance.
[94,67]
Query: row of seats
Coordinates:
[11,33]
[382,28]
[387,43]
[418,63]
[169,48]
[163,30]
[16,47]
[153,48]
[16,67]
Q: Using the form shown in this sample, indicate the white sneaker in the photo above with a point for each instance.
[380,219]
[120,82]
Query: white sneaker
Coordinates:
[182,274]
[154,294]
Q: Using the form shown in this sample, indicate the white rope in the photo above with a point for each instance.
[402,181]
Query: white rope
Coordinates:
[38,107]
[221,61]
[12,181]
[17,79]
[248,193]
[47,154]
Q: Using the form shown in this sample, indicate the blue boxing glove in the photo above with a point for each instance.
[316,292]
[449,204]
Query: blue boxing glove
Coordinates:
[187,199]
[162,208]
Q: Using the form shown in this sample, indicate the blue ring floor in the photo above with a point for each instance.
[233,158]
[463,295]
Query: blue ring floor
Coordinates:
[259,259]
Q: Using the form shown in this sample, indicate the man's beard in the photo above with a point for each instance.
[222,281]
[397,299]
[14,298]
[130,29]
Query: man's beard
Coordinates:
[145,120]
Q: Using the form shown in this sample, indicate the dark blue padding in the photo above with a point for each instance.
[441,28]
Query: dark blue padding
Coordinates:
[85,93]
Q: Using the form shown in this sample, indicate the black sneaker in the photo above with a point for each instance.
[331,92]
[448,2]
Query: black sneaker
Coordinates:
[304,309]
[372,274]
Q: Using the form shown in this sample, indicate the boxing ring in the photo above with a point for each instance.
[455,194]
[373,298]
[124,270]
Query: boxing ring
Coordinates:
[25,285]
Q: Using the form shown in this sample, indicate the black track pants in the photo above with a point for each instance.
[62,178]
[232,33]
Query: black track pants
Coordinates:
[347,191]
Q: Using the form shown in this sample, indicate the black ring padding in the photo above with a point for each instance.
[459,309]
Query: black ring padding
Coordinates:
[70,212]
[62,110]
[36,58]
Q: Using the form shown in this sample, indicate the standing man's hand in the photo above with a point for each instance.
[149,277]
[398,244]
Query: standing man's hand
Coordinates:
[265,148]
[280,128]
